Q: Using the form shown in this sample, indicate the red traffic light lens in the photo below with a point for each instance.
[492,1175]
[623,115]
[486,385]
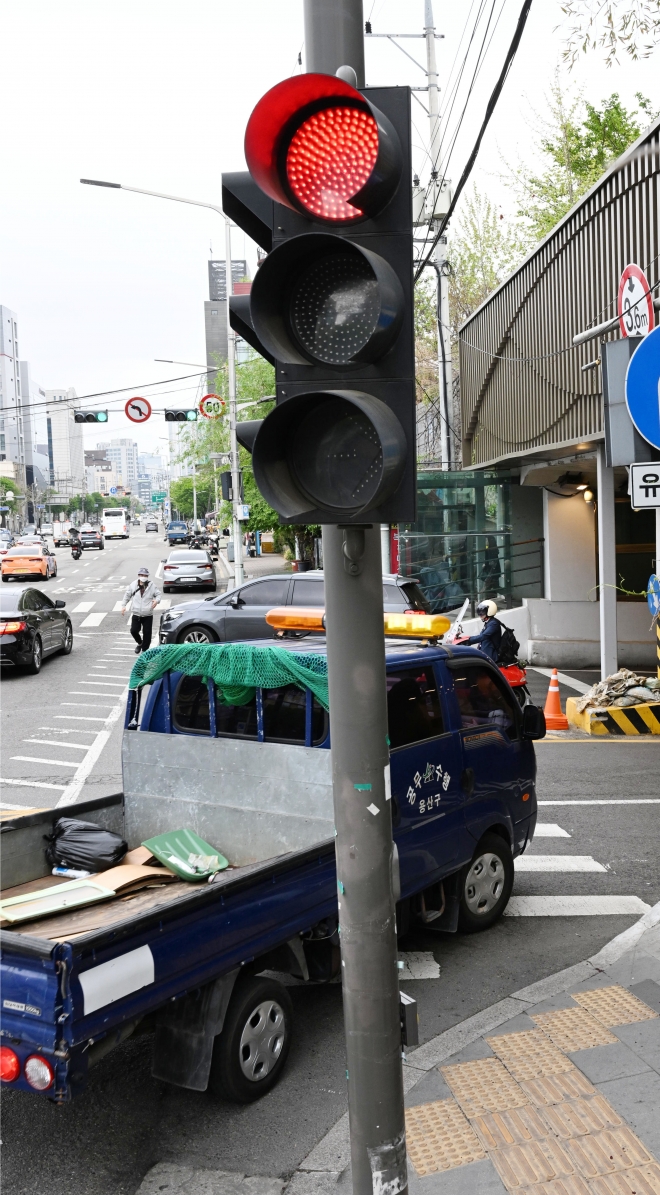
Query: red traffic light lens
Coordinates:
[316,145]
[330,159]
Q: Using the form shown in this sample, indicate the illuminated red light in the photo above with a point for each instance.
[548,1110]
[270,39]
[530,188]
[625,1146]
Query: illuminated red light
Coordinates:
[10,1067]
[330,158]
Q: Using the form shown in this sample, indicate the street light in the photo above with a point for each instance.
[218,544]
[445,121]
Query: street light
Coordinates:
[231,352]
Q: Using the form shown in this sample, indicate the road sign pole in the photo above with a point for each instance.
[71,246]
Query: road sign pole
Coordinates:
[364,850]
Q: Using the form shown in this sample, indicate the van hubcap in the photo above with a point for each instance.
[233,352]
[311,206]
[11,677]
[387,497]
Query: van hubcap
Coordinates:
[262,1040]
[484,883]
[196,637]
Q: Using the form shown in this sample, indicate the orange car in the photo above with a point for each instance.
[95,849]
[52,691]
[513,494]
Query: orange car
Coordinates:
[29,560]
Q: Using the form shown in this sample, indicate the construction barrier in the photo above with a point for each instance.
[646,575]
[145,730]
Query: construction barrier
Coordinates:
[618,720]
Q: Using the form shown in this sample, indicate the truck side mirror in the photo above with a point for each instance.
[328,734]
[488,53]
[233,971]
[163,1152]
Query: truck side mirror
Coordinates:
[533,722]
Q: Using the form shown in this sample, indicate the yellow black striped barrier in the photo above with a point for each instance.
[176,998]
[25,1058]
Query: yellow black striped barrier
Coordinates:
[618,720]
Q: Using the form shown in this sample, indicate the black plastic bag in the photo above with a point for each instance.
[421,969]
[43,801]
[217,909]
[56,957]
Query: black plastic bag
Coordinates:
[83,846]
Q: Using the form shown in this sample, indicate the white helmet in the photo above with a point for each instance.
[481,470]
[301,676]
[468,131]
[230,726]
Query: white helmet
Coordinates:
[488,608]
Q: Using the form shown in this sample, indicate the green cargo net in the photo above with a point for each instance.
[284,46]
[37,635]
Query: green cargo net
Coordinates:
[238,669]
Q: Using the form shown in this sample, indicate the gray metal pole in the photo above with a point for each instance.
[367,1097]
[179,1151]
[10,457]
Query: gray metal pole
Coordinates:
[334,36]
[606,566]
[358,730]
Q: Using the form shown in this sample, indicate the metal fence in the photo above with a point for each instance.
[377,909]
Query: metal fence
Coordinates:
[474,565]
[522,382]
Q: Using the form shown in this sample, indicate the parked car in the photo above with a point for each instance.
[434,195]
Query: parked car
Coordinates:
[92,537]
[29,559]
[6,541]
[177,532]
[187,568]
[32,626]
[151,525]
[241,613]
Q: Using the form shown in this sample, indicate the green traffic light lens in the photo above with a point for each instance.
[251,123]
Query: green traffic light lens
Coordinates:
[191,415]
[102,417]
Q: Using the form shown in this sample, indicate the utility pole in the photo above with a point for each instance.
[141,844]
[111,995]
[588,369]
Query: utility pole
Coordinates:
[360,770]
[445,373]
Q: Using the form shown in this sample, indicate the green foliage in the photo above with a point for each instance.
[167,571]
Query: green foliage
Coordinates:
[578,141]
[612,25]
[88,503]
[181,494]
[484,250]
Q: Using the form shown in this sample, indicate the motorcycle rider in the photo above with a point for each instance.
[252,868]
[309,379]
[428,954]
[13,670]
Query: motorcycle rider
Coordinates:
[142,596]
[487,640]
[75,542]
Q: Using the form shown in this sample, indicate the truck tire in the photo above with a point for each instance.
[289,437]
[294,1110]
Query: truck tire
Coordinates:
[486,885]
[250,1053]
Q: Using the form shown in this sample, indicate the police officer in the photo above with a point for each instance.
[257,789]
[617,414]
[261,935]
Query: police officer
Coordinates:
[142,596]
[487,640]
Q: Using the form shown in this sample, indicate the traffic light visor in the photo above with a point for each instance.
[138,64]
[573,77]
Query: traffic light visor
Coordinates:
[316,145]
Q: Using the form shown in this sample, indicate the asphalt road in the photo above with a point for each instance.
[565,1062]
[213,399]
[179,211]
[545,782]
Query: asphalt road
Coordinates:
[599,842]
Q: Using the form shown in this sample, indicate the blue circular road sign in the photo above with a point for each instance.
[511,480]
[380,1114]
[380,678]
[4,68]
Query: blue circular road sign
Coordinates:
[643,388]
[113,489]
[653,595]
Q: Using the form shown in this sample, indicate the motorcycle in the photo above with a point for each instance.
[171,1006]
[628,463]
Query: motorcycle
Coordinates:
[214,545]
[76,550]
[513,673]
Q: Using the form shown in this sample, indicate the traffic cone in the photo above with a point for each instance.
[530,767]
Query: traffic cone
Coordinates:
[554,719]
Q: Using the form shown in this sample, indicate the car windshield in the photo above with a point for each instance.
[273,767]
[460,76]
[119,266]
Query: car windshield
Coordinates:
[186,557]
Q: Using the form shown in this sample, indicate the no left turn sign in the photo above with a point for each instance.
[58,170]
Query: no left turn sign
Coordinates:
[635,303]
[138,410]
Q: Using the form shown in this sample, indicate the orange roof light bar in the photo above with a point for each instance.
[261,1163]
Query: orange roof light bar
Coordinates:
[413,626]
[296,618]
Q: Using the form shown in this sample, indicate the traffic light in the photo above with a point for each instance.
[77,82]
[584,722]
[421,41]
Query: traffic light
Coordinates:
[181,415]
[329,197]
[90,416]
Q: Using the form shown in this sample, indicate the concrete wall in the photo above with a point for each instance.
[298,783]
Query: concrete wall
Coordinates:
[570,549]
[567,634]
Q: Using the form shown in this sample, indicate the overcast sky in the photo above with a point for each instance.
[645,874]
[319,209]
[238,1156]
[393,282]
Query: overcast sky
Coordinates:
[156,94]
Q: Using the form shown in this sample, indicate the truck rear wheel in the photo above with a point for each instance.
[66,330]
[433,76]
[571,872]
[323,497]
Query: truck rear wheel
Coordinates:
[250,1053]
[486,884]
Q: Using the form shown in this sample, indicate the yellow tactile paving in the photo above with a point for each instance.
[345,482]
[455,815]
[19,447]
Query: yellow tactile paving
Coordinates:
[498,1129]
[576,1118]
[573,1029]
[530,1054]
[570,1184]
[439,1137]
[639,1180]
[553,1089]
[483,1086]
[603,1153]
[614,1006]
[521,1166]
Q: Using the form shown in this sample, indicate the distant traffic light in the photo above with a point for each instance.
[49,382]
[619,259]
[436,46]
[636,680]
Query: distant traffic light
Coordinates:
[181,415]
[332,303]
[90,416]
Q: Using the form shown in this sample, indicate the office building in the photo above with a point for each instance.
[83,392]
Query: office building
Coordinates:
[100,473]
[12,443]
[66,458]
[123,454]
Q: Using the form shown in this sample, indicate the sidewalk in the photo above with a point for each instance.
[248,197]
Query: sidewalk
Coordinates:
[552,1091]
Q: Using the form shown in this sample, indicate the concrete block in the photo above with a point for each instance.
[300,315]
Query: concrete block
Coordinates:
[603,1063]
[169,1178]
[476,1177]
[637,1100]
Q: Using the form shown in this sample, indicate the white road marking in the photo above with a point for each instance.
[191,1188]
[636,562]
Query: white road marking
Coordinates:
[164,604]
[574,906]
[112,684]
[6,805]
[29,783]
[55,743]
[83,608]
[117,674]
[613,801]
[76,717]
[564,679]
[81,704]
[159,570]
[93,620]
[118,606]
[418,964]
[73,790]
[557,863]
[57,763]
[550,830]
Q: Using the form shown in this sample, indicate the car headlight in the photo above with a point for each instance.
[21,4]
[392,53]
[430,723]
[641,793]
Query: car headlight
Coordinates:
[170,614]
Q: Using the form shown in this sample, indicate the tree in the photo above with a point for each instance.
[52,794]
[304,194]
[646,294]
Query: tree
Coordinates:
[484,250]
[181,494]
[578,141]
[611,25]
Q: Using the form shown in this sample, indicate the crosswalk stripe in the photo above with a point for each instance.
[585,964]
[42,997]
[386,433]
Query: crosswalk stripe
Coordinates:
[557,863]
[83,608]
[93,620]
[574,906]
[58,763]
[30,783]
[550,830]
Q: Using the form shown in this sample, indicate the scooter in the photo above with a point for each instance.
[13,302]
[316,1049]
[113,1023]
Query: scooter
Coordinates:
[76,551]
[513,673]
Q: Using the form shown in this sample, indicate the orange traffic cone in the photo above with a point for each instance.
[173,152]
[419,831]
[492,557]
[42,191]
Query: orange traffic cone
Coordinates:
[554,719]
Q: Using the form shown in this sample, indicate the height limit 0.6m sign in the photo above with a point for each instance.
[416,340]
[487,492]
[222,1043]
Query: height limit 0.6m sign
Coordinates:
[635,303]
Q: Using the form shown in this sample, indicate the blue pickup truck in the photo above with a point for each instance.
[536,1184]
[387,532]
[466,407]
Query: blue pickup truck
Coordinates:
[197,964]
[177,532]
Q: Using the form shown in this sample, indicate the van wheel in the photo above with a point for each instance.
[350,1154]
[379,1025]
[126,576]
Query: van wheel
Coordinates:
[250,1053]
[486,884]
[197,635]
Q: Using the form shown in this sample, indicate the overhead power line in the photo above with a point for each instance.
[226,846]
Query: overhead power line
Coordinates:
[492,103]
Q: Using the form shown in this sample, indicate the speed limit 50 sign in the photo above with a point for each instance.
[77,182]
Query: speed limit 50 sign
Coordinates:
[212,406]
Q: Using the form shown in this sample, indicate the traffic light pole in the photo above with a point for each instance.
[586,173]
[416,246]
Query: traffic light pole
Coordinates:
[366,866]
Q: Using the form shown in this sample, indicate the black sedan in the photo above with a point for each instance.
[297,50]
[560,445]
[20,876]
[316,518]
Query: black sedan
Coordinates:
[32,626]
[187,568]
[241,613]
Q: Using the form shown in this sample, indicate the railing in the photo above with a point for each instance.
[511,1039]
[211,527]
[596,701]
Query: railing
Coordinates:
[474,565]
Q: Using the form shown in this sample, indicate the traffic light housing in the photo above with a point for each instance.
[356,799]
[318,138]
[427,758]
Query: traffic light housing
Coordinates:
[329,198]
[181,415]
[90,416]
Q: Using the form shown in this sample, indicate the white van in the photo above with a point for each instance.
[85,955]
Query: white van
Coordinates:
[114,523]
